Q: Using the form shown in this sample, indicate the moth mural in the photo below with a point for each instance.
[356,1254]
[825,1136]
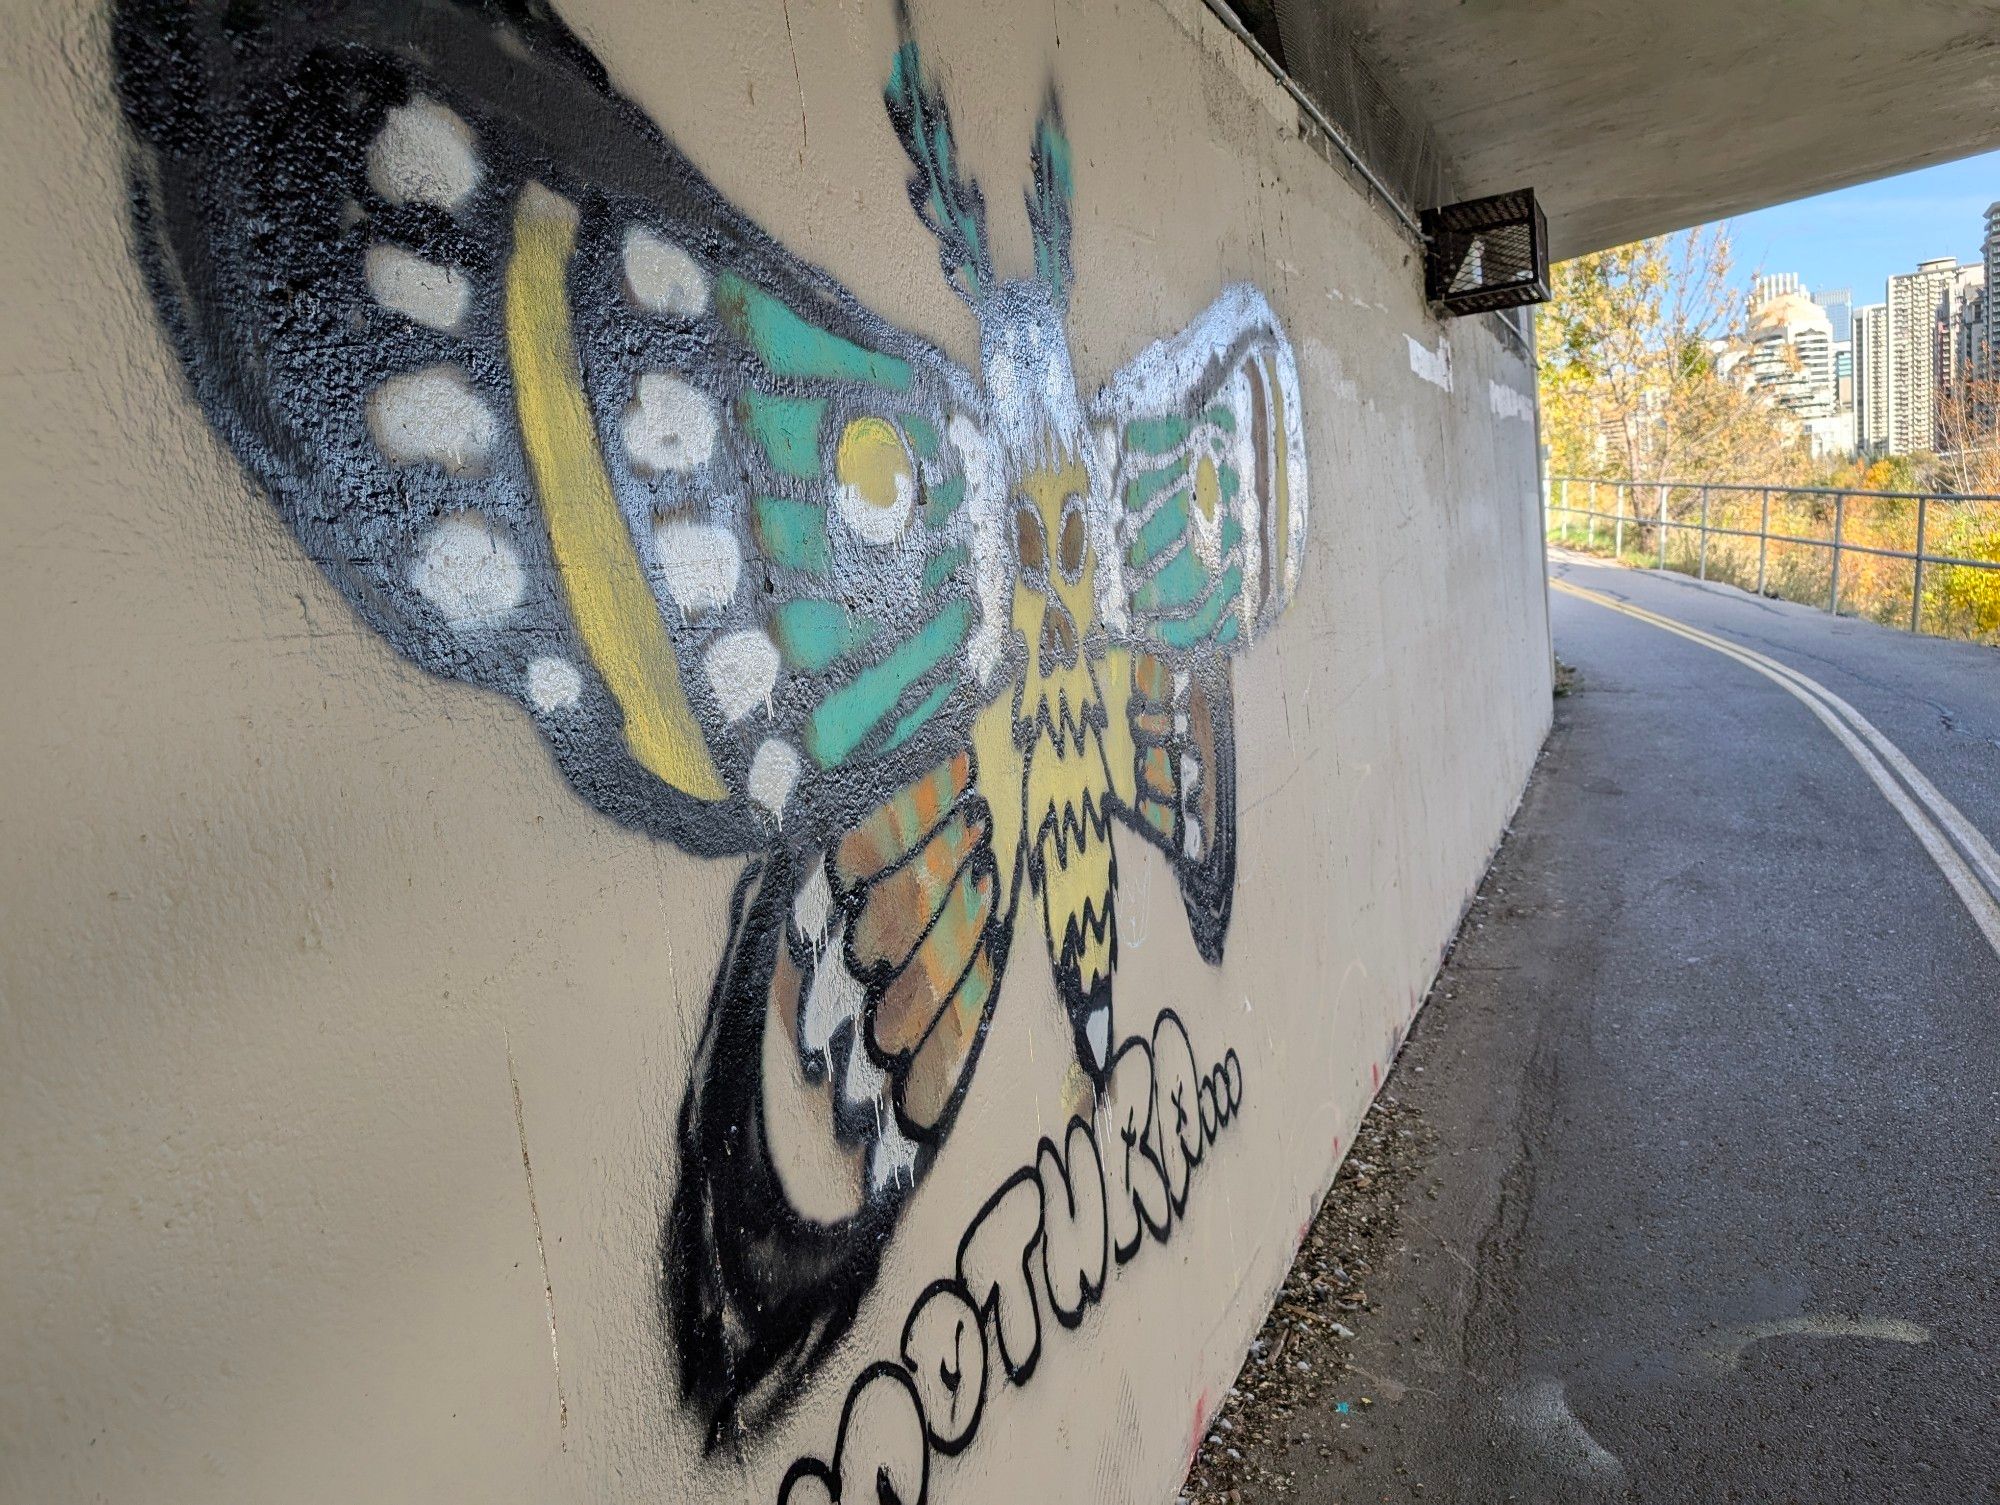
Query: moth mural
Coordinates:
[776,580]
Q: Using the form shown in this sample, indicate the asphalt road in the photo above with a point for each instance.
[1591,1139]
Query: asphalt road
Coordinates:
[1715,1071]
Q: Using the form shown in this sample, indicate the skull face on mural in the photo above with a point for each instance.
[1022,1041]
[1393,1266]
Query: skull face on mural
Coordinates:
[1067,743]
[1065,718]
[1056,565]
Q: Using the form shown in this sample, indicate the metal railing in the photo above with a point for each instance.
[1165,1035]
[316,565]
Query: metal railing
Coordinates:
[1653,512]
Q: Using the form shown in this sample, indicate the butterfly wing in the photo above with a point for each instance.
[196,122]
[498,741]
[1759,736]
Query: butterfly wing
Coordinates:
[560,422]
[1207,455]
[556,418]
[874,966]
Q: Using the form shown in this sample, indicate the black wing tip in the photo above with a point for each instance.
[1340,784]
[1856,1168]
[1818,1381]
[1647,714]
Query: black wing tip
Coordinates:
[750,1334]
[754,1295]
[158,68]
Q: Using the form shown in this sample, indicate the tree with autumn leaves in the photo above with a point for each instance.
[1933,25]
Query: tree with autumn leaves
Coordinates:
[1632,380]
[1636,346]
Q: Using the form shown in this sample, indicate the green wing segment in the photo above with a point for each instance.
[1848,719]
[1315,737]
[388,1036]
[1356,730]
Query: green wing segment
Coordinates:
[1209,488]
[1209,504]
[1049,201]
[815,572]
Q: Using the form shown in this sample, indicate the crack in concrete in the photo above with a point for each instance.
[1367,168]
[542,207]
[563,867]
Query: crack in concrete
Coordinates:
[541,1245]
[805,130]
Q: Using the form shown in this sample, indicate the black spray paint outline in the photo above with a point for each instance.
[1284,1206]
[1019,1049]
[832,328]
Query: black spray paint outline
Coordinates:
[249,127]
[1219,1094]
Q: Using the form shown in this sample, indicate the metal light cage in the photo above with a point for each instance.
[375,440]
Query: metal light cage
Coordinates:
[1487,254]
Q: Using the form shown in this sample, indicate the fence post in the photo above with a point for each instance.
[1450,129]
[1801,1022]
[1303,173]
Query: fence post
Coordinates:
[1763,540]
[1618,531]
[1590,527]
[1663,526]
[1703,573]
[1833,592]
[1917,579]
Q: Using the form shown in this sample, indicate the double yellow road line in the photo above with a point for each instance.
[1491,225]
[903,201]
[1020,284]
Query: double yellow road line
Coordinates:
[1965,857]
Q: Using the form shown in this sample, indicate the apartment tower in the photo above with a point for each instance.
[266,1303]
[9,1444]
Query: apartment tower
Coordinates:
[1920,306]
[1873,402]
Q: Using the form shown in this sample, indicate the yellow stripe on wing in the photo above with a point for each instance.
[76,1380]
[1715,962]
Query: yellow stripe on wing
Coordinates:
[609,600]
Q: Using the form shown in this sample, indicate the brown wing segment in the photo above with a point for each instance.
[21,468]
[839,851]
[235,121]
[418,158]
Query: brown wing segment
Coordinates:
[1183,793]
[926,937]
[876,962]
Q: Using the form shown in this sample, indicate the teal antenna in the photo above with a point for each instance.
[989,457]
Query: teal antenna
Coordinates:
[951,207]
[1049,200]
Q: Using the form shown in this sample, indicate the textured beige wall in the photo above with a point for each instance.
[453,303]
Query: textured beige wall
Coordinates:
[286,920]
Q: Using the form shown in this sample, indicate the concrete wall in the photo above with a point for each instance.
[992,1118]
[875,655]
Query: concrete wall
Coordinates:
[360,1052]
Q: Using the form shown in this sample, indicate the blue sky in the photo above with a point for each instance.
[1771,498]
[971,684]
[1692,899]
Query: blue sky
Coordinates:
[1856,237]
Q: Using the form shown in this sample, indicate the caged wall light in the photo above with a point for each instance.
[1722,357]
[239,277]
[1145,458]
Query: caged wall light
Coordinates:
[1487,254]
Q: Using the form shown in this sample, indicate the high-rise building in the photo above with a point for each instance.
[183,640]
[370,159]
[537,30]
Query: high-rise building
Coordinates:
[1966,344]
[1991,256]
[1920,308]
[1790,357]
[1873,401]
[1839,305]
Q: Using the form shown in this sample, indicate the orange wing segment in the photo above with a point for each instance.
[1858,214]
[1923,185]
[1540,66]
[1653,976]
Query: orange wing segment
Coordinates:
[900,907]
[945,1053]
[919,880]
[886,836]
[926,983]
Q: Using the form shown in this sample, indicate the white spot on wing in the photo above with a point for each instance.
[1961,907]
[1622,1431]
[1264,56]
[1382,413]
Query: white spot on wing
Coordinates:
[433,417]
[423,155]
[774,770]
[835,998]
[878,525]
[1097,1028]
[662,278]
[553,684]
[812,908]
[418,289]
[669,426]
[742,667]
[701,562]
[894,1158]
[469,572]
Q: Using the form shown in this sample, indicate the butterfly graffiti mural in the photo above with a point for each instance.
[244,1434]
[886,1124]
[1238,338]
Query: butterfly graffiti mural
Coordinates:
[776,580]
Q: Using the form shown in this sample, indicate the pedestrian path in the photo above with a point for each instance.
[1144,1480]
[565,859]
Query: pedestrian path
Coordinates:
[1714,1081]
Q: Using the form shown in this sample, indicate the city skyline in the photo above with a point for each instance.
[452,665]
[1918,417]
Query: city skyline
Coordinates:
[1857,238]
[1881,377]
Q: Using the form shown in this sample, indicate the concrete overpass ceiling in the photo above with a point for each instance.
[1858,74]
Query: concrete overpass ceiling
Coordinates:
[1631,119]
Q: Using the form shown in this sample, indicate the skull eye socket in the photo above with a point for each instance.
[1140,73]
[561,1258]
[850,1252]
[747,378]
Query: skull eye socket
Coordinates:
[1069,547]
[1029,541]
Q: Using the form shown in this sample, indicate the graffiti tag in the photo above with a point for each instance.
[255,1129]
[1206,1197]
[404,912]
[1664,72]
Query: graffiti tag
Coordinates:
[1045,1241]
